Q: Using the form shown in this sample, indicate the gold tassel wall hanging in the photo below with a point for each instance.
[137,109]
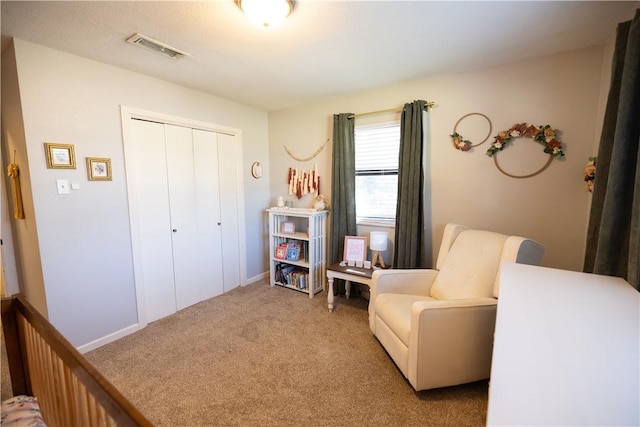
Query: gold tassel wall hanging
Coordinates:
[13,172]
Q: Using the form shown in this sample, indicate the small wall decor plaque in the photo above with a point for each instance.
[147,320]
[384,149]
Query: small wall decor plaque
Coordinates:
[60,156]
[98,169]
[256,170]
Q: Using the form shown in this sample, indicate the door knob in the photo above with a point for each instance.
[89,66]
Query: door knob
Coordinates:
[175,229]
[219,223]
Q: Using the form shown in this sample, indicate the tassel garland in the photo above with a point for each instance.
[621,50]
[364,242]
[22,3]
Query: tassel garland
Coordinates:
[303,182]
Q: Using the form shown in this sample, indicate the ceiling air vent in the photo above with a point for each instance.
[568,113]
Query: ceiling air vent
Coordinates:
[156,46]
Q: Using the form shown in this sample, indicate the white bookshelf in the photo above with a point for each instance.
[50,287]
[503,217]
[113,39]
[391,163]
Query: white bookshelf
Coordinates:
[307,273]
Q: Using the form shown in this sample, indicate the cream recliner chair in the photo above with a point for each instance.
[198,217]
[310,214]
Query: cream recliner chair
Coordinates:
[438,325]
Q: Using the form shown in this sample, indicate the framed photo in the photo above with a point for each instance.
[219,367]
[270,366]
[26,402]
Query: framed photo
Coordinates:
[288,228]
[98,169]
[293,253]
[281,252]
[60,156]
[355,248]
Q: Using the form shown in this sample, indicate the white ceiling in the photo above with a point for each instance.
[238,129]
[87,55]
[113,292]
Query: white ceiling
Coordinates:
[324,48]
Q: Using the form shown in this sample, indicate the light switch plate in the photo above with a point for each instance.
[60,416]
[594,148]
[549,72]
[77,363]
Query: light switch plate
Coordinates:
[63,186]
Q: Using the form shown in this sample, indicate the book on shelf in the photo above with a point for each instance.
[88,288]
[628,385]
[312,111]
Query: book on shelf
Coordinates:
[298,279]
[293,276]
[282,273]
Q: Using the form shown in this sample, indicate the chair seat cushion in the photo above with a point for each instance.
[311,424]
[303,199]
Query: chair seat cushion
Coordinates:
[395,311]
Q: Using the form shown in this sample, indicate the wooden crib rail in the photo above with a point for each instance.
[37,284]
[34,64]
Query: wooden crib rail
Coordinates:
[42,363]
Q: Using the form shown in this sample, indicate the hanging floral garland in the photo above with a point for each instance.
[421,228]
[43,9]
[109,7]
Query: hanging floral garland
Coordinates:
[544,135]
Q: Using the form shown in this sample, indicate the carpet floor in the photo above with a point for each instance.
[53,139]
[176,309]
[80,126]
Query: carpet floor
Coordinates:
[261,355]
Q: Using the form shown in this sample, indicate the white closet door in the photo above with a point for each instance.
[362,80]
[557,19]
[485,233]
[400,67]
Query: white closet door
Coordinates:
[185,206]
[156,255]
[229,210]
[181,180]
[205,155]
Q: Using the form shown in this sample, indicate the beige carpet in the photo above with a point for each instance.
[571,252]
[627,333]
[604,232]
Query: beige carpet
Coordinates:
[271,356]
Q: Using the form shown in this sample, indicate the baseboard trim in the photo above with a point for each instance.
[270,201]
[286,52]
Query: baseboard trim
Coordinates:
[109,338]
[258,278]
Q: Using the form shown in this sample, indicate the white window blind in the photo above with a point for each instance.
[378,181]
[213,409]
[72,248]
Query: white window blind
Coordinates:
[377,149]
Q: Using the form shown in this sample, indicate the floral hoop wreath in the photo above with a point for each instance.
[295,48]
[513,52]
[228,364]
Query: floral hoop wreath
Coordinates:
[459,143]
[544,135]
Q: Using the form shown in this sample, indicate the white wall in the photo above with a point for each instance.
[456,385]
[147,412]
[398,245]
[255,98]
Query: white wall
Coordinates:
[561,90]
[84,238]
[9,279]
[24,233]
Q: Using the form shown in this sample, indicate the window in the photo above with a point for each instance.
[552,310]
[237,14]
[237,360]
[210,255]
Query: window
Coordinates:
[377,148]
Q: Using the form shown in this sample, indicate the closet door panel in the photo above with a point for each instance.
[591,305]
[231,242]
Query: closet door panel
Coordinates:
[205,149]
[184,229]
[156,266]
[229,210]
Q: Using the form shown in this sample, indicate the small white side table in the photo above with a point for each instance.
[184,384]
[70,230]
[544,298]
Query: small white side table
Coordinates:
[349,274]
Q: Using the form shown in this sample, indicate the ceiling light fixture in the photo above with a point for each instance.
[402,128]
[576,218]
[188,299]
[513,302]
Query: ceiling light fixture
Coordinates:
[266,13]
[156,46]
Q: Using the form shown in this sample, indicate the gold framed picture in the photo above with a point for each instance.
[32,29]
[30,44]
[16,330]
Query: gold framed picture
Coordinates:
[98,169]
[60,156]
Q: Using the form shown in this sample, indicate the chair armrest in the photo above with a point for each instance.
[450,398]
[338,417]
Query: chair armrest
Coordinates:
[451,341]
[419,306]
[412,282]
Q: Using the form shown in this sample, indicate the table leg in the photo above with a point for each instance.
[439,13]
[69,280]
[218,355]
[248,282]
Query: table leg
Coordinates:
[347,288]
[330,295]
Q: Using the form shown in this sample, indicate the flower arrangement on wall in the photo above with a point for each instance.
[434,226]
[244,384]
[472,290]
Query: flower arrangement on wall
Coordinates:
[459,143]
[590,173]
[544,135]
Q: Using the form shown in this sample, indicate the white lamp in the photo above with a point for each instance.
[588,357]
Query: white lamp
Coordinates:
[266,13]
[378,243]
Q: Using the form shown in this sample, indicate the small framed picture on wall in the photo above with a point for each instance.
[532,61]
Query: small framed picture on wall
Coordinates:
[60,156]
[98,169]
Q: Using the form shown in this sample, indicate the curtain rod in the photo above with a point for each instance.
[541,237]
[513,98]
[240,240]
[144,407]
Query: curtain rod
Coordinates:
[389,110]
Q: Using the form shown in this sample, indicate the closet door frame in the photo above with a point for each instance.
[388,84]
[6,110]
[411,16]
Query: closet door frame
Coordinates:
[129,113]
